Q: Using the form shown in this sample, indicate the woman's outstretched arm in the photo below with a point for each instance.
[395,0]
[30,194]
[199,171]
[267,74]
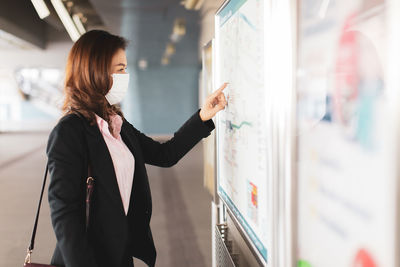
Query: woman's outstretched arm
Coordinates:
[198,126]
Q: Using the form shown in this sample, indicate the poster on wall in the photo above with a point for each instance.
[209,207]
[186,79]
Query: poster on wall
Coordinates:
[346,175]
[242,126]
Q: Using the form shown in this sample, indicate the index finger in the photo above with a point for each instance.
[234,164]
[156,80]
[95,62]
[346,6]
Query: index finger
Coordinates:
[220,89]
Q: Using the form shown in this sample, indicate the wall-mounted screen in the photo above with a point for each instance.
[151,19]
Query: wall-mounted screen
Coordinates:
[242,126]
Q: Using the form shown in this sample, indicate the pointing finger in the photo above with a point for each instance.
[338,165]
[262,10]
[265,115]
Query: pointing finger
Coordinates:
[221,97]
[220,90]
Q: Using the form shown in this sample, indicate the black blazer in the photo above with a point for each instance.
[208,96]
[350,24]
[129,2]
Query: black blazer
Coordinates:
[74,144]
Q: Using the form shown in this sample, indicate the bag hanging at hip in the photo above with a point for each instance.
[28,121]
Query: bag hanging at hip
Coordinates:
[89,191]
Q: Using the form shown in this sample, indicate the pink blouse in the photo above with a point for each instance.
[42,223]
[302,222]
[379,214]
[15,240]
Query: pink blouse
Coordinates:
[122,158]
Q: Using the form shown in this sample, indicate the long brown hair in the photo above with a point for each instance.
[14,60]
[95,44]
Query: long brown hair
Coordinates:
[88,75]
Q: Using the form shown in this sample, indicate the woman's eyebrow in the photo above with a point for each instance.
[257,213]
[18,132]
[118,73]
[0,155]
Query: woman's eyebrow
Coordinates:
[121,64]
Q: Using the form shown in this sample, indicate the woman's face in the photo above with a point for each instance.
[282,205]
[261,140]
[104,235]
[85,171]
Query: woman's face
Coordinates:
[119,62]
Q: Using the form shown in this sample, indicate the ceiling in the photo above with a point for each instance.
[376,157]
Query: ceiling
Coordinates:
[147,24]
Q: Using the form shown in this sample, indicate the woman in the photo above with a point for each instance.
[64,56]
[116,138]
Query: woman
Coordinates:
[93,138]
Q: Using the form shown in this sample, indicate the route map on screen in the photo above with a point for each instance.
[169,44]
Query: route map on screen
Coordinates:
[241,127]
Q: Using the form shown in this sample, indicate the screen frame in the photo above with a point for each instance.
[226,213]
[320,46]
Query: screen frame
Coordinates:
[249,242]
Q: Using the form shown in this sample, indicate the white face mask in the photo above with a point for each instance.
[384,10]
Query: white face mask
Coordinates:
[118,88]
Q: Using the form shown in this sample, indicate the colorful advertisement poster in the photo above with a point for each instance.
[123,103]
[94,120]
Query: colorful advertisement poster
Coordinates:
[346,175]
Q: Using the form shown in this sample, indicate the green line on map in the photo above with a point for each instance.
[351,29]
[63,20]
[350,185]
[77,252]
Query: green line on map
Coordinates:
[240,126]
[232,125]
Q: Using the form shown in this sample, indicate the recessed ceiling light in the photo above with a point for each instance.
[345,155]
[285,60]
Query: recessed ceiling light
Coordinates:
[192,4]
[78,23]
[178,30]
[66,19]
[164,61]
[142,63]
[170,49]
[41,8]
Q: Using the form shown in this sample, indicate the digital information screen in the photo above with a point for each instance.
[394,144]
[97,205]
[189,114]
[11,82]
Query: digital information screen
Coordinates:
[242,126]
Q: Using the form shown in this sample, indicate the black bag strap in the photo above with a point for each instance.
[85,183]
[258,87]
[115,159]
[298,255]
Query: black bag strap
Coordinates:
[32,244]
[89,191]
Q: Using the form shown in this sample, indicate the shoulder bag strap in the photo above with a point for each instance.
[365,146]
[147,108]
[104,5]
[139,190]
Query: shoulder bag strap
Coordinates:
[89,190]
[32,244]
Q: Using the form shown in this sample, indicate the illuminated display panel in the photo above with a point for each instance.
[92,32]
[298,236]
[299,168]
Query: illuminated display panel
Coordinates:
[242,126]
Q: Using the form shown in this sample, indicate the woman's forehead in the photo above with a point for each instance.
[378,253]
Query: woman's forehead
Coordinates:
[119,57]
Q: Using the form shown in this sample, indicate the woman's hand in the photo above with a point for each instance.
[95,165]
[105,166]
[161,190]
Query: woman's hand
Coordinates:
[214,103]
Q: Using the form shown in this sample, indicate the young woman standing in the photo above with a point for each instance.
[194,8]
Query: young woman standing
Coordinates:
[94,138]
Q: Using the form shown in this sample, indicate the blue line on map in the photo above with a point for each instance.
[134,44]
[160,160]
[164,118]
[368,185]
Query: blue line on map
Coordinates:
[243,16]
[229,10]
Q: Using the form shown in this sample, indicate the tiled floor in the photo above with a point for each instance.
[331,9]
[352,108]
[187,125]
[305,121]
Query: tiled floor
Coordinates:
[181,220]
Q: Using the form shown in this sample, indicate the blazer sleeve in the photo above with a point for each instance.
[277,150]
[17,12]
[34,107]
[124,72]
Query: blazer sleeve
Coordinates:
[66,194]
[169,153]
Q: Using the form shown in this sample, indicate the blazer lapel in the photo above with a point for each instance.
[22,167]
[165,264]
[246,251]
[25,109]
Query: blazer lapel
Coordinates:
[101,163]
[131,143]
